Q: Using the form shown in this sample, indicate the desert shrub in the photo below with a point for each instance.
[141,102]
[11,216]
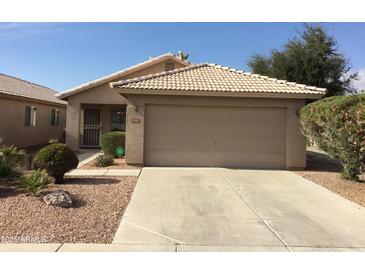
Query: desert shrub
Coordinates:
[337,125]
[34,182]
[111,140]
[10,160]
[57,159]
[104,160]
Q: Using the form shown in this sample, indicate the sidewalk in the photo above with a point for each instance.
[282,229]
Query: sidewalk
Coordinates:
[160,248]
[84,248]
[89,155]
[140,248]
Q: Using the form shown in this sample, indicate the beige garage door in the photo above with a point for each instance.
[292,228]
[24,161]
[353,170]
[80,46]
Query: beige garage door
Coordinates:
[214,136]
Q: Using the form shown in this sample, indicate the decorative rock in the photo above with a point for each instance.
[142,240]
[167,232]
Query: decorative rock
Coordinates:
[59,198]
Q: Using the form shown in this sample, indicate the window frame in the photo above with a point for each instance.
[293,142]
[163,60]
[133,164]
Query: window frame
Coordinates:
[30,119]
[55,117]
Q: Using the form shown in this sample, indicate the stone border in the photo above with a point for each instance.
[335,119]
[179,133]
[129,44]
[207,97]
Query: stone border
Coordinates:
[103,172]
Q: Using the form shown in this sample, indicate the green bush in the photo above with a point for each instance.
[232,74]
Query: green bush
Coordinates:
[104,160]
[10,159]
[34,182]
[111,140]
[337,125]
[57,159]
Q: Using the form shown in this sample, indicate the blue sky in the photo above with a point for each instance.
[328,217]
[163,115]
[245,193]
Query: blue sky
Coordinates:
[64,55]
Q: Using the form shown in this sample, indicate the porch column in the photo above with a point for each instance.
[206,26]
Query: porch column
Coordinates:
[134,134]
[73,125]
[295,140]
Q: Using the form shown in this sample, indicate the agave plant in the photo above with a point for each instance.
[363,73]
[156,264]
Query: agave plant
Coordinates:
[34,182]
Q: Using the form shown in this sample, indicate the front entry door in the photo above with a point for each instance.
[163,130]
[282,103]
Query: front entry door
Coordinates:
[91,127]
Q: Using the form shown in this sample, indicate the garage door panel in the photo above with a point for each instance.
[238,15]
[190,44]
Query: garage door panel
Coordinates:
[232,143]
[180,158]
[258,144]
[168,126]
[245,137]
[170,141]
[275,131]
[276,145]
[180,142]
[196,143]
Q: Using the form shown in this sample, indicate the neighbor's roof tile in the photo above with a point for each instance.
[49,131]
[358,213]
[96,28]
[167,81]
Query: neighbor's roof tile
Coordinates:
[211,77]
[14,86]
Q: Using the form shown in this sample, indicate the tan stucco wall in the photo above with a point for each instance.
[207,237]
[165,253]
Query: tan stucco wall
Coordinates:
[13,130]
[295,141]
[101,94]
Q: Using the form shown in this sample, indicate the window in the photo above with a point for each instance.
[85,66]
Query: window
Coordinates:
[169,66]
[30,116]
[55,117]
[118,118]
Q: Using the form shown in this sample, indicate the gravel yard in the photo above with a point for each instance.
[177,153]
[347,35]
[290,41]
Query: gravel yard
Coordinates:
[327,173]
[99,204]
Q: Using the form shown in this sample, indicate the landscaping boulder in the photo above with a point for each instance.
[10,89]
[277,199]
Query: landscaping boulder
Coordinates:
[59,198]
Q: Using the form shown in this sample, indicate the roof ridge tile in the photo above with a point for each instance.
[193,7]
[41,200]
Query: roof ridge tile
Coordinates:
[121,72]
[216,84]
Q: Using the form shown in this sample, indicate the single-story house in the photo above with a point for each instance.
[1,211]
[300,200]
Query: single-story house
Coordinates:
[194,115]
[30,114]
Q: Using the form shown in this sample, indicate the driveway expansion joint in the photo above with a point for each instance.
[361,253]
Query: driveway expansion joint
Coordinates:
[254,210]
[156,233]
[58,248]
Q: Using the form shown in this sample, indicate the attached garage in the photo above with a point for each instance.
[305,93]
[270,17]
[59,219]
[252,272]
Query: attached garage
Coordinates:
[245,137]
[209,115]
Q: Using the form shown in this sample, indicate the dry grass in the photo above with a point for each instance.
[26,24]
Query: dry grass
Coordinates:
[99,204]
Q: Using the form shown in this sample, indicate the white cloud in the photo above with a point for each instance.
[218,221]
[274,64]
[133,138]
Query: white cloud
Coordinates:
[360,83]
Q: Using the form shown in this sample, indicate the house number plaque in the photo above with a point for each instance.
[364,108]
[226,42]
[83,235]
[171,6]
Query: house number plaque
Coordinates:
[136,120]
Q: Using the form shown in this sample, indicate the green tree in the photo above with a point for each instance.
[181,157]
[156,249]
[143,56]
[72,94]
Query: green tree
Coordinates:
[312,58]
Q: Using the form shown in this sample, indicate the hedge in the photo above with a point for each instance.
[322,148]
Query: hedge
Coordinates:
[111,140]
[337,125]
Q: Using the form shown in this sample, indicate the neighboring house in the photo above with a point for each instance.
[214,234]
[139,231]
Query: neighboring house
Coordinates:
[197,115]
[30,114]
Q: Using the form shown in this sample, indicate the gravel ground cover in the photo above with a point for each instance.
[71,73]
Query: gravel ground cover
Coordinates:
[99,204]
[327,173]
[118,164]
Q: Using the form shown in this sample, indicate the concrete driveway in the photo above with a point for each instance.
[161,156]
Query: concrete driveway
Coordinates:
[216,209]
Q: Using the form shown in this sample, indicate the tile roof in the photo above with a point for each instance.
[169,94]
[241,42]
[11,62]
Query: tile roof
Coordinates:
[14,86]
[120,73]
[215,78]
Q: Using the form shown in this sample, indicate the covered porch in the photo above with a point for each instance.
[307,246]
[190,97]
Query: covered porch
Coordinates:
[97,119]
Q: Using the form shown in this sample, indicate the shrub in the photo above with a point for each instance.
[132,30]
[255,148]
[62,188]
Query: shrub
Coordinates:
[10,159]
[337,125]
[104,160]
[111,140]
[34,182]
[57,159]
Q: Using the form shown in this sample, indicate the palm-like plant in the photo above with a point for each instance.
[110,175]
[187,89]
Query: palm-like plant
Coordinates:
[10,158]
[34,182]
[182,55]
